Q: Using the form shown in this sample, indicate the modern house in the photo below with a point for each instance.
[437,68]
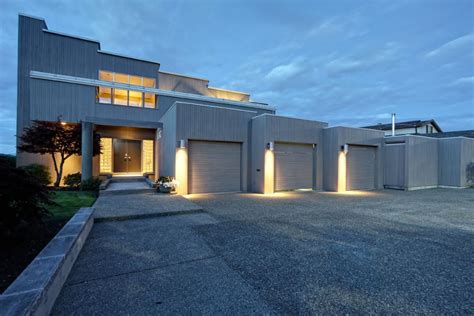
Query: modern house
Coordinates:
[155,123]
[418,127]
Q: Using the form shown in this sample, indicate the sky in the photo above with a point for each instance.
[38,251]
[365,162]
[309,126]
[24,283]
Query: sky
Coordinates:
[350,63]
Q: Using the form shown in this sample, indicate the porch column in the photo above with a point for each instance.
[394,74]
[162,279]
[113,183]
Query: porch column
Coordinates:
[86,150]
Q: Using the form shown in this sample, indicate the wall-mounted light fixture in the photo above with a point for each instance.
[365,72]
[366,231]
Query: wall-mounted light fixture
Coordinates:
[345,148]
[60,120]
[271,146]
[182,144]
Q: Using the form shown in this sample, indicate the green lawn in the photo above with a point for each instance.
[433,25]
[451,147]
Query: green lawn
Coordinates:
[69,202]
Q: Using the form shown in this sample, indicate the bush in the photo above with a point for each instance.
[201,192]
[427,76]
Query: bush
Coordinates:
[40,172]
[470,174]
[164,179]
[73,180]
[91,184]
[22,201]
[8,160]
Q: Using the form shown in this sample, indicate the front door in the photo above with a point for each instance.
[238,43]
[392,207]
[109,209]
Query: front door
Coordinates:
[127,155]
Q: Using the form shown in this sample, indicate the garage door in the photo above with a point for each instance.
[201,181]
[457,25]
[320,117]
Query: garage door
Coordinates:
[214,167]
[293,166]
[361,168]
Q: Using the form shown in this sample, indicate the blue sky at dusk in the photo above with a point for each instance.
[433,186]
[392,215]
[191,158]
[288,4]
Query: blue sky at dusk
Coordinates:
[344,62]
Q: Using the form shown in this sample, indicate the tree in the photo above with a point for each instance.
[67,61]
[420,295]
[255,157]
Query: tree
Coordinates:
[59,140]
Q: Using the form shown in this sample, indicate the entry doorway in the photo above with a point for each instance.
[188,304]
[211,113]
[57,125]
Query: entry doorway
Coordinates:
[127,155]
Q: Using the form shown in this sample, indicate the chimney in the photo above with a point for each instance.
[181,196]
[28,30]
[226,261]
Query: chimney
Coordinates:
[393,124]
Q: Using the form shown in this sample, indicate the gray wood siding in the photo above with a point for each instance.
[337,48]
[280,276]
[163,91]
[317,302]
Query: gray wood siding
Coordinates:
[293,166]
[467,157]
[214,167]
[394,165]
[422,161]
[361,168]
[257,155]
[168,144]
[449,163]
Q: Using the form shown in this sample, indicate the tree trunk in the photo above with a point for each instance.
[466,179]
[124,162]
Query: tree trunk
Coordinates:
[61,165]
[58,175]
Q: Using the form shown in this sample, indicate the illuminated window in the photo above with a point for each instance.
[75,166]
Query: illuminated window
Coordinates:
[120,96]
[106,155]
[149,100]
[137,81]
[134,98]
[149,82]
[147,156]
[124,96]
[104,95]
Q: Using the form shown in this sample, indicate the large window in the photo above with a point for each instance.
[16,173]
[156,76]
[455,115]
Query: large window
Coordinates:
[128,97]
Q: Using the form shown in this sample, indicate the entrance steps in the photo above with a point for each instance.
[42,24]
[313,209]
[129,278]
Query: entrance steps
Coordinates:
[127,185]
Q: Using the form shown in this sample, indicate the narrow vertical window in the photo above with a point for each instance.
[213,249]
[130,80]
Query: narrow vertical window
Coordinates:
[121,96]
[105,157]
[147,156]
[135,98]
[150,100]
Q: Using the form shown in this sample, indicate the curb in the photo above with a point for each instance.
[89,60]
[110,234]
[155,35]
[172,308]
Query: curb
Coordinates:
[150,215]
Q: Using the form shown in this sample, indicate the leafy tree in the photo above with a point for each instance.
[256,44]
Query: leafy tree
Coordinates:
[58,140]
[40,172]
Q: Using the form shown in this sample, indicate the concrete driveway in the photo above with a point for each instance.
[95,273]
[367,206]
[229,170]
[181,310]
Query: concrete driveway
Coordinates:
[290,253]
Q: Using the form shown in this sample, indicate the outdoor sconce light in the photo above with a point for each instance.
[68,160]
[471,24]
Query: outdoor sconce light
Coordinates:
[182,143]
[60,120]
[345,148]
[271,146]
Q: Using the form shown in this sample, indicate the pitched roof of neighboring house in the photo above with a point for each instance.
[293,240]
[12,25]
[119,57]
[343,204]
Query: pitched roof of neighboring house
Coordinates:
[406,124]
[466,133]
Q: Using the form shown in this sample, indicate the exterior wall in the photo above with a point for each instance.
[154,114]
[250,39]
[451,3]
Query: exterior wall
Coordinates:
[449,162]
[334,138]
[467,157]
[228,95]
[175,82]
[187,121]
[413,130]
[421,162]
[271,128]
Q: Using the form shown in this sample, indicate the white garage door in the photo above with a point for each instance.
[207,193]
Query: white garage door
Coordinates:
[293,166]
[214,167]
[361,168]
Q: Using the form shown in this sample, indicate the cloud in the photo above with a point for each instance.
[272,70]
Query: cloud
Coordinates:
[453,45]
[285,72]
[464,81]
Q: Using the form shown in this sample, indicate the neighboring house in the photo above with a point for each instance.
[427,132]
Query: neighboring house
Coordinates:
[210,139]
[409,128]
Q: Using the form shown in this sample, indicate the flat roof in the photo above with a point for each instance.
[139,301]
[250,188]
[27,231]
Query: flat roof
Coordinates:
[181,75]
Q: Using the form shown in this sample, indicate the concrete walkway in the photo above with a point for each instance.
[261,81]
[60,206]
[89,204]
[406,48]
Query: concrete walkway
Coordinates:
[153,266]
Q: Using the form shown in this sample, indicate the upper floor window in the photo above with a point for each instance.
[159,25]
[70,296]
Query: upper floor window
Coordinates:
[125,96]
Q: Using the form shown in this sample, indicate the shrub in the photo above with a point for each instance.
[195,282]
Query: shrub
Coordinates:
[164,179]
[73,180]
[470,173]
[22,201]
[9,160]
[40,172]
[91,184]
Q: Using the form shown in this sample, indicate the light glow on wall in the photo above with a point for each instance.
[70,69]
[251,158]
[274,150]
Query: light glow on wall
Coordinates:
[341,175]
[147,156]
[269,172]
[181,170]
[106,155]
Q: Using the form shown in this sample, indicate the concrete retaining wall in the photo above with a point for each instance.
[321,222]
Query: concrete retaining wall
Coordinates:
[36,289]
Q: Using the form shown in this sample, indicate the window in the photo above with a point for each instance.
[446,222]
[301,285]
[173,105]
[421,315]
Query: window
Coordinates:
[105,156]
[124,96]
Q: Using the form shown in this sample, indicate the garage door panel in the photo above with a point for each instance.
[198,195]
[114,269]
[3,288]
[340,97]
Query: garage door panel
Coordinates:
[360,168]
[293,166]
[214,167]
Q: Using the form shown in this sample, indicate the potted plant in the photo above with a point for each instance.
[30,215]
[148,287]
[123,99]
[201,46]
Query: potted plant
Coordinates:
[166,184]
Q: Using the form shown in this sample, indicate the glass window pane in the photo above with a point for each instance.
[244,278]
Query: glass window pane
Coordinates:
[106,75]
[149,100]
[105,95]
[120,96]
[137,81]
[149,82]
[135,98]
[121,78]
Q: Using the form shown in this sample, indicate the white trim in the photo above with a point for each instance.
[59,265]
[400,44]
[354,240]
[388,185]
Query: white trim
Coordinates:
[96,83]
[72,36]
[126,56]
[180,75]
[227,90]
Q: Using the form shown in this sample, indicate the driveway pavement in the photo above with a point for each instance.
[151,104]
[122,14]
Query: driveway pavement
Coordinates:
[290,253]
